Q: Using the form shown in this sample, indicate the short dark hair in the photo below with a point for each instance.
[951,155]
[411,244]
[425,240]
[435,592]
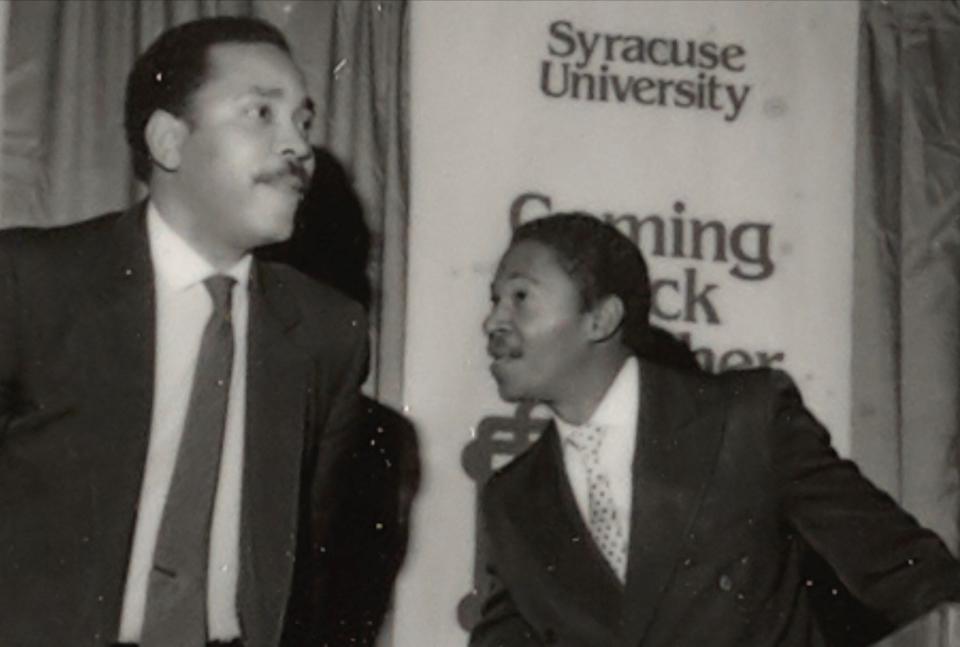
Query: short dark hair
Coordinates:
[601,260]
[174,66]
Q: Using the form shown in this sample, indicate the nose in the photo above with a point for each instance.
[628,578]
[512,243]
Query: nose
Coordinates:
[495,319]
[294,143]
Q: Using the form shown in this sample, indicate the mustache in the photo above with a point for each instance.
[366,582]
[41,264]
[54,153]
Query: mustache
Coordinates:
[289,169]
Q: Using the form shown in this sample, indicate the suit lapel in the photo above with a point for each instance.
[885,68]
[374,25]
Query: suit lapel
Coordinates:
[571,510]
[114,325]
[560,540]
[679,435]
[274,434]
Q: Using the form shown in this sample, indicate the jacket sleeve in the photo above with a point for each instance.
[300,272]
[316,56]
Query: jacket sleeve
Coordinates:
[884,557]
[346,410]
[501,623]
[8,334]
[324,609]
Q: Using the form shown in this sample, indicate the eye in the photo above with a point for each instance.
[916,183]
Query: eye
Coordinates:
[260,112]
[520,295]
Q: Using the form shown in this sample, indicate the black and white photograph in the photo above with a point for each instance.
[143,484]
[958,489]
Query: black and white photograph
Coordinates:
[480,323]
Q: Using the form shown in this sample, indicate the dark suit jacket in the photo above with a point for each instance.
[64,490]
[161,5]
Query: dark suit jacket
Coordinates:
[77,329]
[733,480]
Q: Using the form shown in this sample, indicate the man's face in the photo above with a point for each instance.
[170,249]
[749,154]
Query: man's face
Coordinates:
[245,160]
[537,329]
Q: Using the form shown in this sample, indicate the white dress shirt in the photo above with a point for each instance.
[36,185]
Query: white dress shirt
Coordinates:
[618,414]
[183,307]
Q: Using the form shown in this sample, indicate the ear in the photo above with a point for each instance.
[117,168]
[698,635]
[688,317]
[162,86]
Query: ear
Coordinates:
[606,318]
[165,135]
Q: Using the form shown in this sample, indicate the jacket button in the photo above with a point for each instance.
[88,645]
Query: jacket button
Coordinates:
[549,636]
[725,583]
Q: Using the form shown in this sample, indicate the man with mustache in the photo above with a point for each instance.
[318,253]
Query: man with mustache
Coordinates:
[173,412]
[667,507]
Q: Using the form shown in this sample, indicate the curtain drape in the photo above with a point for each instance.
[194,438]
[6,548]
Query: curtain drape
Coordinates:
[906,346]
[65,158]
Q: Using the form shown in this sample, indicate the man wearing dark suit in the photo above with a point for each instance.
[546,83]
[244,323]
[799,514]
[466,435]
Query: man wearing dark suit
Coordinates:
[172,411]
[665,507]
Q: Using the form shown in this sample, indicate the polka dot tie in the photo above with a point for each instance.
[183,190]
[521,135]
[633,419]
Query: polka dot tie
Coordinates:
[605,525]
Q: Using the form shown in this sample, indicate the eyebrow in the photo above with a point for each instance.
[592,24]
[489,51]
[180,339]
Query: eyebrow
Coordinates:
[516,275]
[277,93]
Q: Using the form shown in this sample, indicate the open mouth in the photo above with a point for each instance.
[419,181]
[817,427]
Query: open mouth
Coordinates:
[502,352]
[499,362]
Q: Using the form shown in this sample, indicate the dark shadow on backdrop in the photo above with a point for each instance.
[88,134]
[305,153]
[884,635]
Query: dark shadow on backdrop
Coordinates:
[661,347]
[380,478]
[330,241]
[381,471]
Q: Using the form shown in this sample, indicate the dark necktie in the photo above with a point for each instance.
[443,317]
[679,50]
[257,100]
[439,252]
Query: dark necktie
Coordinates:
[176,606]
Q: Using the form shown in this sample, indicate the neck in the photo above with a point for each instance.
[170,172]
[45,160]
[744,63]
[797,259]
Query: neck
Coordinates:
[585,394]
[189,226]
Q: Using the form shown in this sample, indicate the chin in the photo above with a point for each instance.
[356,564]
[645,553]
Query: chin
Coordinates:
[274,226]
[280,204]
[510,393]
[281,234]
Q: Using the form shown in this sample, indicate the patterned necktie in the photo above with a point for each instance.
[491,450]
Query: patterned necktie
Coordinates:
[176,608]
[605,525]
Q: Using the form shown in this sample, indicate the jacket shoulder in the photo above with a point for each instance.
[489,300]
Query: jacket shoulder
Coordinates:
[331,326]
[77,238]
[742,385]
[316,300]
[522,473]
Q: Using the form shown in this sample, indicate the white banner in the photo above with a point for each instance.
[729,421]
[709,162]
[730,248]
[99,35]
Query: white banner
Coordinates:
[719,136]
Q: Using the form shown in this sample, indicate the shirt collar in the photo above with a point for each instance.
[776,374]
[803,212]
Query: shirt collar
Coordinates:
[618,408]
[177,264]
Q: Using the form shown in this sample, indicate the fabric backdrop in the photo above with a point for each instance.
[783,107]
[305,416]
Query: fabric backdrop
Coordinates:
[906,347]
